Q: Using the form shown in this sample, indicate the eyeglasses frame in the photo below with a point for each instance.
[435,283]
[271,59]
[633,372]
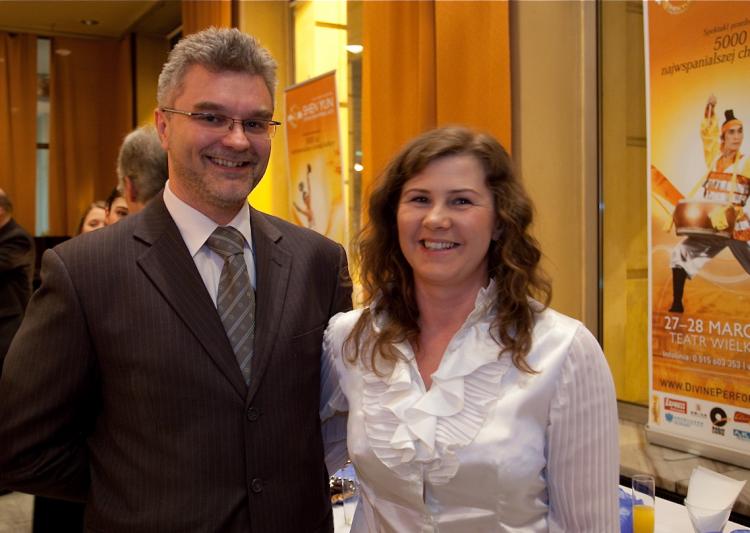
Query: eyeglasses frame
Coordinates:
[240,121]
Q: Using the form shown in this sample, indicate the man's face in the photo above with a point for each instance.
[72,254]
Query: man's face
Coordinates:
[733,138]
[214,171]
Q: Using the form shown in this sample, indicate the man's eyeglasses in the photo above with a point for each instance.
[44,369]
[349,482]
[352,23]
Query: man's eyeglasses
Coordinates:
[257,127]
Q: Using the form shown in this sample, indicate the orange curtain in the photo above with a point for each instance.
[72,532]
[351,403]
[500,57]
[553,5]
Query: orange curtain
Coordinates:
[473,66]
[427,64]
[200,14]
[91,110]
[398,85]
[18,94]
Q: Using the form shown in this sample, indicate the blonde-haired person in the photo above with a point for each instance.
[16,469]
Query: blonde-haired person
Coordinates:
[93,218]
[471,405]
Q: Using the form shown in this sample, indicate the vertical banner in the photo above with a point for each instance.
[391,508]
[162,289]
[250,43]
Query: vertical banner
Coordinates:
[316,189]
[698,102]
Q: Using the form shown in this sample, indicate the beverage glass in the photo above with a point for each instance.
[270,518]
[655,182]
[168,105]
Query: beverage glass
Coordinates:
[643,498]
[350,497]
[345,491]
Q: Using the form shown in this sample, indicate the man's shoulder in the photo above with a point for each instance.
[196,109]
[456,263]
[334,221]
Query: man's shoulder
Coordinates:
[294,233]
[13,230]
[111,240]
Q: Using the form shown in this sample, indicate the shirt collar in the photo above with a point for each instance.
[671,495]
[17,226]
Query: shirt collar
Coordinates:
[195,227]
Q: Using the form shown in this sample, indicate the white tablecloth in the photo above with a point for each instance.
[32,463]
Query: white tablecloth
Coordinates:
[670,518]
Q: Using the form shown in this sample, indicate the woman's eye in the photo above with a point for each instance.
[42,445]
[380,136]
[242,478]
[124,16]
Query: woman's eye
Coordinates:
[462,201]
[419,199]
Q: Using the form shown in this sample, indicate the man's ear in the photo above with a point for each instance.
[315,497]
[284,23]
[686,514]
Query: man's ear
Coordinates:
[131,191]
[160,120]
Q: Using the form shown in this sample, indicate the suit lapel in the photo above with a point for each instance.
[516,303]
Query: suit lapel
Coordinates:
[170,268]
[273,267]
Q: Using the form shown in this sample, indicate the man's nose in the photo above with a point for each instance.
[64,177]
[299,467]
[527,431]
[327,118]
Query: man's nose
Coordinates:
[236,137]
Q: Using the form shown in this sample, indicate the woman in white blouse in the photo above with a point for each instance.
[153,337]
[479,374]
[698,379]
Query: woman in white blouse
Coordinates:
[471,405]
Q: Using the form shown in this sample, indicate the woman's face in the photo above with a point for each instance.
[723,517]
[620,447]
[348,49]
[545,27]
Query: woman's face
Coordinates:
[117,211]
[446,220]
[94,220]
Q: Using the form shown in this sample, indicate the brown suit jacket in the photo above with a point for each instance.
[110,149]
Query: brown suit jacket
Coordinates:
[123,389]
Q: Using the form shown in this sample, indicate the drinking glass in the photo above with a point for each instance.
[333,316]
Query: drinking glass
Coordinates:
[345,491]
[643,499]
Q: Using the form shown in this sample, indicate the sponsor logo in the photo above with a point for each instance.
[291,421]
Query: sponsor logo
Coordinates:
[698,412]
[682,421]
[718,420]
[677,406]
[740,434]
[742,418]
[718,417]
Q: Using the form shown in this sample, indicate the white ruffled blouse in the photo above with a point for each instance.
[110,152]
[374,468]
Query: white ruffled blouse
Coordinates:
[487,447]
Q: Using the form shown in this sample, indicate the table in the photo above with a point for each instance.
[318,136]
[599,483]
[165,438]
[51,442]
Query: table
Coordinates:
[670,518]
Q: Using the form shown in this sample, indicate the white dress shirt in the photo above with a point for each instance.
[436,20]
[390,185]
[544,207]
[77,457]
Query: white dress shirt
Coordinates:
[487,448]
[196,228]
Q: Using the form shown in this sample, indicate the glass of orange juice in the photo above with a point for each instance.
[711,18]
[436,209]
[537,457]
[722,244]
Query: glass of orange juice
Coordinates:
[643,499]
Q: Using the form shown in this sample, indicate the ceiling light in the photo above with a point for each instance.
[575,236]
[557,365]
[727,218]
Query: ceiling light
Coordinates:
[355,48]
[62,52]
[89,22]
[358,167]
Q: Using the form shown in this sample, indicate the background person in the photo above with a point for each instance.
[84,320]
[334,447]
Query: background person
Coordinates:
[471,406]
[141,167]
[116,207]
[172,410]
[16,273]
[93,218]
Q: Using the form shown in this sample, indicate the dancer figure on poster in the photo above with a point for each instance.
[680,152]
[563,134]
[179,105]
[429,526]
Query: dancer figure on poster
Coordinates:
[306,211]
[727,182]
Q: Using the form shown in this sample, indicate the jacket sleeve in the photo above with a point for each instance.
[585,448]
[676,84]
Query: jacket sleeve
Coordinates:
[342,300]
[48,393]
[15,252]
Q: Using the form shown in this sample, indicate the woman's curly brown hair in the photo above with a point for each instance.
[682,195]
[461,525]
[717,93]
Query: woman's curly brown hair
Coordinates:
[513,260]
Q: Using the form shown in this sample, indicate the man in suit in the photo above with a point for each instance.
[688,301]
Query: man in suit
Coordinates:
[16,273]
[141,167]
[131,386]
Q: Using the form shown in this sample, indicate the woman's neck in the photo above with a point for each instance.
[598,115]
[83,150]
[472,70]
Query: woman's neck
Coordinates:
[443,308]
[442,312]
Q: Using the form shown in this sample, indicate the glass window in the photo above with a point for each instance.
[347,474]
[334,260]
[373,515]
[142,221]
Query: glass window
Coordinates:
[42,136]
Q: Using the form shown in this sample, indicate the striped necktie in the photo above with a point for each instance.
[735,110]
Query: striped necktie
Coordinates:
[235,300]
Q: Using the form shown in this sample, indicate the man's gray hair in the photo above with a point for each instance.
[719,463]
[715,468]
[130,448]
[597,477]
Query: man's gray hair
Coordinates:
[144,161]
[218,50]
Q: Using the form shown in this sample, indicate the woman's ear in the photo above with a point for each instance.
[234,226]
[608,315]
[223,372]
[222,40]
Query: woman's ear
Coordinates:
[496,234]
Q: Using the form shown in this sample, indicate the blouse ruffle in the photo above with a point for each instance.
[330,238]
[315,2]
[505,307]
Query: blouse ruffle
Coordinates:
[416,433]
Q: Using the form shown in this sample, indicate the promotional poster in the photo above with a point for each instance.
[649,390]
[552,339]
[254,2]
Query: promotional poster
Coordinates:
[698,71]
[317,187]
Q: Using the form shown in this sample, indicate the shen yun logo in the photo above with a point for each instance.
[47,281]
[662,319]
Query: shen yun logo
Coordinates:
[674,7]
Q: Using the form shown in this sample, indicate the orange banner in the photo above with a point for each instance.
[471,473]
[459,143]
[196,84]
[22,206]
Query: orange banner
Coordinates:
[698,67]
[316,188]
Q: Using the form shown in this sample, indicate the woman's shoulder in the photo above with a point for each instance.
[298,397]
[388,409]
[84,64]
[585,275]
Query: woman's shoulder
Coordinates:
[568,334]
[550,320]
[340,326]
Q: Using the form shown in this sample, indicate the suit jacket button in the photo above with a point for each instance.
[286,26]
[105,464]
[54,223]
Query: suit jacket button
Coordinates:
[256,485]
[253,414]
